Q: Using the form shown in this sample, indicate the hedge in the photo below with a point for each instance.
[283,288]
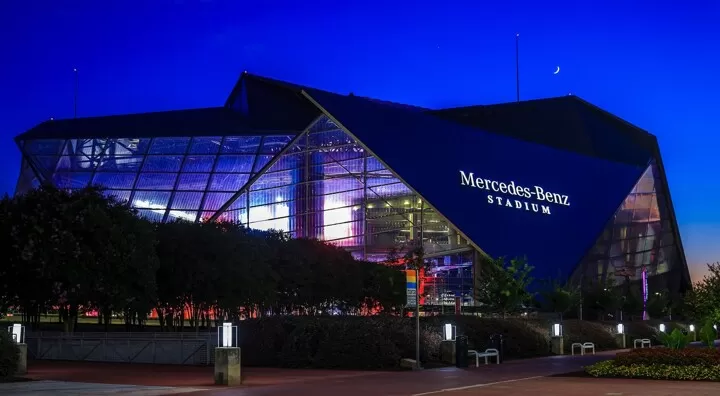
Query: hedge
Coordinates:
[8,356]
[610,368]
[380,342]
[667,356]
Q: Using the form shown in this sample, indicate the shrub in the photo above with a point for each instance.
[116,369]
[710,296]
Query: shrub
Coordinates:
[521,338]
[610,368]
[340,342]
[8,355]
[582,331]
[708,335]
[675,339]
[667,356]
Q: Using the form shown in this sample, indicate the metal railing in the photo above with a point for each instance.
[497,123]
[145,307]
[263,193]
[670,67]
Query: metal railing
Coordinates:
[130,347]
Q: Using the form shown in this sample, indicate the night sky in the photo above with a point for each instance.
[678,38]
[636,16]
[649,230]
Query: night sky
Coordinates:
[655,65]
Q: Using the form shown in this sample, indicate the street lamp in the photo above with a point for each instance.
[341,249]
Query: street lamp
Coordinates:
[620,328]
[662,327]
[692,328]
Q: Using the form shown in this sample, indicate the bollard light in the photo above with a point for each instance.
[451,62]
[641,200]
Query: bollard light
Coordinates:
[449,332]
[692,328]
[662,327]
[620,328]
[556,330]
[16,333]
[227,335]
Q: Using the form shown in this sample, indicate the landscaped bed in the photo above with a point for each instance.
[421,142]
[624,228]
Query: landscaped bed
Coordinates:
[693,364]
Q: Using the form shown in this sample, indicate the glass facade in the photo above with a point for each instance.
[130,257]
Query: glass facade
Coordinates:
[639,239]
[165,178]
[325,185]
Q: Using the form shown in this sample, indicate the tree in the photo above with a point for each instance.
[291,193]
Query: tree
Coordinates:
[560,297]
[703,301]
[74,250]
[503,286]
[604,298]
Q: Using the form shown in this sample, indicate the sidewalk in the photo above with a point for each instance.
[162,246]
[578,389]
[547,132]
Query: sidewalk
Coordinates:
[269,381]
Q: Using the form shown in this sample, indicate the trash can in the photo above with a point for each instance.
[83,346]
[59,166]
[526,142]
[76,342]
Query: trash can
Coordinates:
[461,351]
[497,342]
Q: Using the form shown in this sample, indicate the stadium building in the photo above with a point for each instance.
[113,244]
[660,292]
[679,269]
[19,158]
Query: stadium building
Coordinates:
[579,192]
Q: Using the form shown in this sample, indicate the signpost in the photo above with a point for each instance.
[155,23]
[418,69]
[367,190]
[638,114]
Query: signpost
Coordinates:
[411,288]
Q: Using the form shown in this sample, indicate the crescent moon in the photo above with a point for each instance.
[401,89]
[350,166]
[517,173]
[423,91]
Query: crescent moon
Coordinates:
[558,70]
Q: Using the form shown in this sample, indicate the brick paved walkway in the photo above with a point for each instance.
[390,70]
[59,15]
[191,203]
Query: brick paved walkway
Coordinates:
[508,379]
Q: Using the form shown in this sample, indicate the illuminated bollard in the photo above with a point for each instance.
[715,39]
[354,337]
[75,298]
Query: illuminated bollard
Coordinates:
[17,332]
[620,335]
[556,339]
[227,357]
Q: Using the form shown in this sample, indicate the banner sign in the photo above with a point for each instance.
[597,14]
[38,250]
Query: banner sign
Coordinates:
[411,288]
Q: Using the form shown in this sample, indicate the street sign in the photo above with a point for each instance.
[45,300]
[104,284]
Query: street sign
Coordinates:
[411,288]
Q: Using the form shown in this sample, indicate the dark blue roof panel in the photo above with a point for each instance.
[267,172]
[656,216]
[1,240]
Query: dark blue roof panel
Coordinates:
[489,185]
[212,121]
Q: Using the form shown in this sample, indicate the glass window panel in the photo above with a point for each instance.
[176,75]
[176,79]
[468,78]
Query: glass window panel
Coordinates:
[199,163]
[373,164]
[235,163]
[169,145]
[270,217]
[155,200]
[238,203]
[261,161]
[129,146]
[394,190]
[234,216]
[275,179]
[114,180]
[268,196]
[120,195]
[329,138]
[88,147]
[155,215]
[205,145]
[228,181]
[187,200]
[71,179]
[186,215]
[373,181]
[162,163]
[213,201]
[74,162]
[156,181]
[241,144]
[274,144]
[193,181]
[338,185]
[352,158]
[43,146]
[290,161]
[47,164]
[125,163]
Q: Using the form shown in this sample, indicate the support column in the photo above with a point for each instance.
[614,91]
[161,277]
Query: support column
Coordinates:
[227,366]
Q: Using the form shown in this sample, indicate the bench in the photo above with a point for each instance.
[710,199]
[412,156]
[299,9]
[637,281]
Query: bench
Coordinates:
[644,342]
[488,353]
[588,346]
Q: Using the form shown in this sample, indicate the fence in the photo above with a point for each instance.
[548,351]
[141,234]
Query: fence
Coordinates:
[157,348]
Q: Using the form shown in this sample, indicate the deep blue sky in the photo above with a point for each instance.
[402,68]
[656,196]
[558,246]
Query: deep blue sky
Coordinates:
[654,64]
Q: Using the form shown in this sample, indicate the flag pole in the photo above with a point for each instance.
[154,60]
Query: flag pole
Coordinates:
[75,98]
[517,65]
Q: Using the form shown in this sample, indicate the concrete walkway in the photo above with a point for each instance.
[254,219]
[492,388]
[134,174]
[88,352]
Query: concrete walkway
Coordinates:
[511,378]
[47,388]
